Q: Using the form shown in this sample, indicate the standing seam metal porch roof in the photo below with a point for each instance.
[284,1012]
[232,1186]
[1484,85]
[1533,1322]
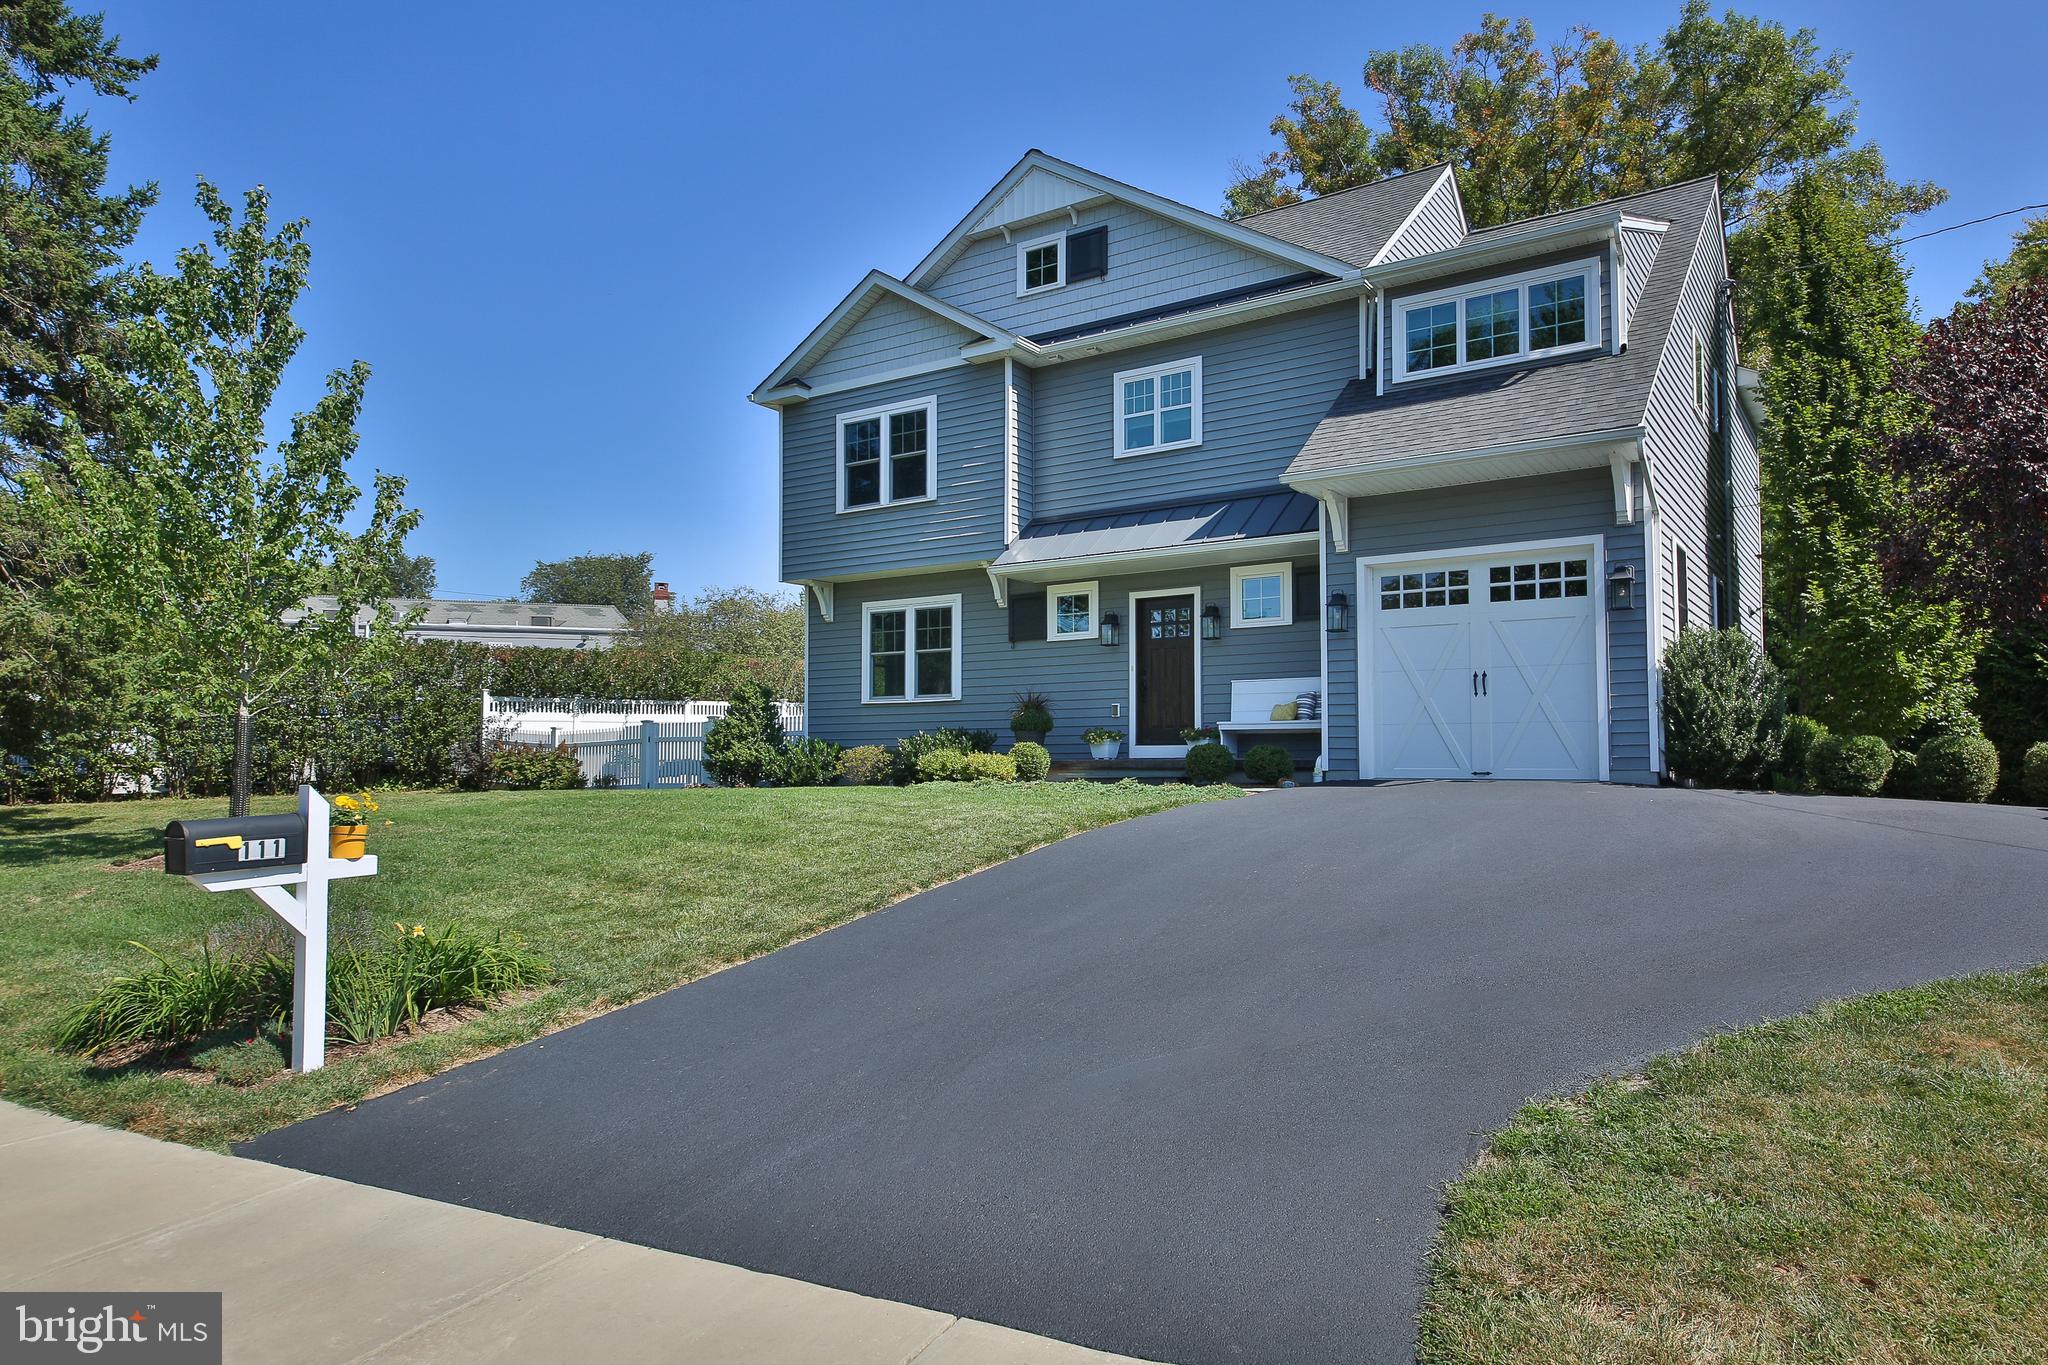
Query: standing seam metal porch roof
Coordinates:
[1172,526]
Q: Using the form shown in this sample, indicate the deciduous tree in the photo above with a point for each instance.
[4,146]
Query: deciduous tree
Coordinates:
[625,581]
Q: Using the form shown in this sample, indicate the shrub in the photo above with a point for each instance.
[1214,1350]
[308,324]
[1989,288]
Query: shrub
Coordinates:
[912,748]
[867,766]
[960,765]
[808,763]
[1031,713]
[1801,734]
[1724,708]
[1957,767]
[1032,760]
[1850,765]
[989,767]
[522,767]
[1209,762]
[1268,765]
[2034,774]
[744,747]
[1904,779]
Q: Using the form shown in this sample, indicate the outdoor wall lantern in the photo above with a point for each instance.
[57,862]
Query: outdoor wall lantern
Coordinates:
[1212,622]
[1621,587]
[1112,631]
[1338,618]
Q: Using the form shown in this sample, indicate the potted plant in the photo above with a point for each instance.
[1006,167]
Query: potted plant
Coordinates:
[1031,717]
[348,824]
[1200,734]
[1103,742]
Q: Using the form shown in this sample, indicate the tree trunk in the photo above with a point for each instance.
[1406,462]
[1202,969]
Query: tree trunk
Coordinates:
[238,781]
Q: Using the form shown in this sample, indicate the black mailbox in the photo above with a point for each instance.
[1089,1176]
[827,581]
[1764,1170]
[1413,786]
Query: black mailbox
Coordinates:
[232,845]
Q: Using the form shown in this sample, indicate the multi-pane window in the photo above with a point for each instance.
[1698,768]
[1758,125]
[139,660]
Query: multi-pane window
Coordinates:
[885,455]
[1426,588]
[1040,264]
[912,652]
[1537,579]
[1159,408]
[1433,336]
[1529,315]
[1070,611]
[1493,325]
[1262,595]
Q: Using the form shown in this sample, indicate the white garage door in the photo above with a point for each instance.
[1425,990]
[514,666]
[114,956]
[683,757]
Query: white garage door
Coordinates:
[1484,668]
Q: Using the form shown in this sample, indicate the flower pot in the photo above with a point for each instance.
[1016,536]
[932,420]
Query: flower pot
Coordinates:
[347,841]
[1028,736]
[1104,750]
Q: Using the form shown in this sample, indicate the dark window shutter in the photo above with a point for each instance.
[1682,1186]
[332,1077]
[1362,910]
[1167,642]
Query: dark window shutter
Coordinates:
[1027,617]
[1088,254]
[1308,597]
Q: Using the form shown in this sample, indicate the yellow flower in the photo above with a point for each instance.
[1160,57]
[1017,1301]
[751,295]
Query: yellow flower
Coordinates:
[418,930]
[345,802]
[388,824]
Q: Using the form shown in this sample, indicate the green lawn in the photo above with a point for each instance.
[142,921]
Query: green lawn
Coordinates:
[1865,1183]
[625,894]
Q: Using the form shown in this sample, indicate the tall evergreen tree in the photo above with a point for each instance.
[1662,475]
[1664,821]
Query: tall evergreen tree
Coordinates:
[62,233]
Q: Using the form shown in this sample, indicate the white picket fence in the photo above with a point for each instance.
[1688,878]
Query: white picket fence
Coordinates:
[622,743]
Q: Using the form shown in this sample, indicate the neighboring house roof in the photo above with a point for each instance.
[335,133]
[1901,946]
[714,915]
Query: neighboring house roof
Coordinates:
[1587,394]
[1210,522]
[435,611]
[1354,225]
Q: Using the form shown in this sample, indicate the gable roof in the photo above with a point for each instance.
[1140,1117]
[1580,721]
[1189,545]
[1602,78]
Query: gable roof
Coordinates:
[1583,395]
[1357,224]
[1055,184]
[853,307]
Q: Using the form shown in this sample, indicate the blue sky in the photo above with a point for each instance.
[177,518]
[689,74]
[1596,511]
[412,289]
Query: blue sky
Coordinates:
[569,241]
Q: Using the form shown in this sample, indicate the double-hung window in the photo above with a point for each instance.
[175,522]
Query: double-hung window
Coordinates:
[1070,611]
[1159,408]
[1041,264]
[1261,595]
[885,454]
[910,650]
[1534,314]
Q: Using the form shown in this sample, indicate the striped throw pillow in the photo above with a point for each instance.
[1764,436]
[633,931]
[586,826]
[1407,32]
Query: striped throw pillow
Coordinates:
[1308,706]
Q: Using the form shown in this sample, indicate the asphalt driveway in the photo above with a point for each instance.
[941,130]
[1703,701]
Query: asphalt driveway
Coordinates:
[1188,1087]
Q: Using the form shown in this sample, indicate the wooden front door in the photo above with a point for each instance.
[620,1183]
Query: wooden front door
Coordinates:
[1165,644]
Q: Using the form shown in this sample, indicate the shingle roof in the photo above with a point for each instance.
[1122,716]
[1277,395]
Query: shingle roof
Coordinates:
[1581,394]
[436,611]
[1182,525]
[1352,224]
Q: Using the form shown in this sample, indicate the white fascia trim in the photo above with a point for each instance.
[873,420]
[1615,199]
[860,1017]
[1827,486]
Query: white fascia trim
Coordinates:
[1240,572]
[1055,591]
[875,282]
[1629,220]
[1409,221]
[1316,485]
[908,606]
[1409,269]
[1219,550]
[782,397]
[1199,221]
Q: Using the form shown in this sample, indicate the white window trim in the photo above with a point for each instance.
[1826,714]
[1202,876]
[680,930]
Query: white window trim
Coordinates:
[1058,240]
[1116,407]
[1595,337]
[908,606]
[930,404]
[1239,573]
[1052,615]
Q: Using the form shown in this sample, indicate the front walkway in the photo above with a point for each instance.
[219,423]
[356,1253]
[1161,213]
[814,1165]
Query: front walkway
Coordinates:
[316,1269]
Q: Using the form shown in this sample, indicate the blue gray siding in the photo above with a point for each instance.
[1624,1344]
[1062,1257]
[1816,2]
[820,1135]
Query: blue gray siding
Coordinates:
[1083,677]
[1264,386]
[893,334]
[1152,261]
[1553,507]
[963,524]
[1438,224]
[1677,443]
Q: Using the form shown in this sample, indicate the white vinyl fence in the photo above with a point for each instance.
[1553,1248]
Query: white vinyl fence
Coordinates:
[621,743]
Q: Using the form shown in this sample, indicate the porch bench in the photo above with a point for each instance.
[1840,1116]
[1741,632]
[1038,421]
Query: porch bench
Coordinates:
[1251,708]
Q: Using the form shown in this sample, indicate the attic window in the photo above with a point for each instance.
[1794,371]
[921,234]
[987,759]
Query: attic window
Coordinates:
[1041,265]
[1495,322]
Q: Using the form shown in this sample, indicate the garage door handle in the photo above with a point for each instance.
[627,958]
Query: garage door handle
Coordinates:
[1475,684]
[1482,682]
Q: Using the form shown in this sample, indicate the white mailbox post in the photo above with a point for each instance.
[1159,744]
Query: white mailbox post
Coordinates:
[298,896]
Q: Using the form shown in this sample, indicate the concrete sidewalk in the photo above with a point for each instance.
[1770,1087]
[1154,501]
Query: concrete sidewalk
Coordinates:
[316,1269]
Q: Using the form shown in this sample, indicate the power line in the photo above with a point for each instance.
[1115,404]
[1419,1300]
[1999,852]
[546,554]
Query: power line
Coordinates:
[1936,232]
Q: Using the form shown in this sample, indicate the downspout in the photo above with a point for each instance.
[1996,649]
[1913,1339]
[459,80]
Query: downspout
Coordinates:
[1322,768]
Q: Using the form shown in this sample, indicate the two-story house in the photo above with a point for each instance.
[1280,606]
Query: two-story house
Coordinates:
[1171,469]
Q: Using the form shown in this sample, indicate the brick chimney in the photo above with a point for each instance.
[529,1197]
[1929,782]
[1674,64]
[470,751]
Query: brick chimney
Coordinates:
[664,600]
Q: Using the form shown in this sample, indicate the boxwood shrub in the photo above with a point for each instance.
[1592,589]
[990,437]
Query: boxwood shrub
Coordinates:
[1956,767]
[522,767]
[956,765]
[1724,708]
[911,749]
[2034,774]
[867,766]
[1801,734]
[808,763]
[1209,762]
[1850,765]
[1032,760]
[1268,765]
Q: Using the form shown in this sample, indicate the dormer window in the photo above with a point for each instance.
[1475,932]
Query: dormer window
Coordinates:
[1041,265]
[1523,317]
